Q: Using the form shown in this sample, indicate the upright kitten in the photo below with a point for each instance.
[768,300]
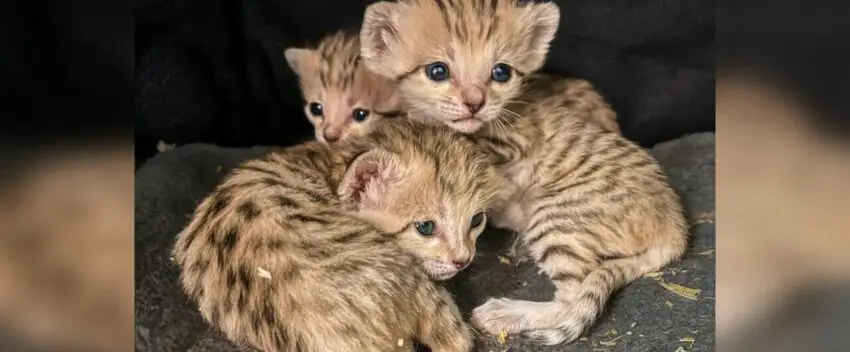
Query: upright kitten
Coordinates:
[594,210]
[342,98]
[325,247]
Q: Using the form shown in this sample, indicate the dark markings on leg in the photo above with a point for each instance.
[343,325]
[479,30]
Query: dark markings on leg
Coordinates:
[227,243]
[219,203]
[285,202]
[565,276]
[347,237]
[249,210]
[561,250]
[309,219]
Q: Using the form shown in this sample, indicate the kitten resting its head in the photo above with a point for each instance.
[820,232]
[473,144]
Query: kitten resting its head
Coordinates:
[458,62]
[342,98]
[428,186]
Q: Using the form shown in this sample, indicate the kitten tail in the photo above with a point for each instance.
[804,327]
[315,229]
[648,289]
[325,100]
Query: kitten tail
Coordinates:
[589,301]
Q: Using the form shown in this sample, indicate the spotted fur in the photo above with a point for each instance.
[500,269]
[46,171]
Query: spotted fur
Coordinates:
[595,210]
[315,247]
[332,75]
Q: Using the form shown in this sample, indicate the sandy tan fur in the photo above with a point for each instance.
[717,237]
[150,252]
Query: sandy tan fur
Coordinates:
[333,226]
[594,209]
[332,75]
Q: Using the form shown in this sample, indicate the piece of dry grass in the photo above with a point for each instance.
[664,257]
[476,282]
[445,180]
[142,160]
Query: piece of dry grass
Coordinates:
[688,340]
[683,291]
[503,337]
[611,343]
[704,218]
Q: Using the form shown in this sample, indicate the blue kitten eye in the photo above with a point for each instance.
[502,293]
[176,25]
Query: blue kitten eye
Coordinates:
[476,220]
[316,109]
[360,115]
[426,228]
[437,71]
[501,73]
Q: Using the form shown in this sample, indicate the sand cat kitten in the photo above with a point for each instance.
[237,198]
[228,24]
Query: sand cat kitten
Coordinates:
[332,247]
[594,210]
[342,98]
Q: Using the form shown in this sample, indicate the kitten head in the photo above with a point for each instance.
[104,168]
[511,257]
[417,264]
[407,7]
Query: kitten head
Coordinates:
[458,62]
[431,191]
[342,98]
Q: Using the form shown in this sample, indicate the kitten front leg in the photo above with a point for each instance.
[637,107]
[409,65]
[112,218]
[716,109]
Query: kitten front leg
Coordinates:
[444,330]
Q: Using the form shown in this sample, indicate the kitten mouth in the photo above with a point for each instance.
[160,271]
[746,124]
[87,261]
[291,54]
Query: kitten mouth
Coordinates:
[466,124]
[438,271]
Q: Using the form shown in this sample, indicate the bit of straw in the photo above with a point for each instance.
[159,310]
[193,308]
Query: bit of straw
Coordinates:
[689,340]
[653,275]
[680,349]
[704,218]
[263,273]
[709,252]
[684,291]
[668,304]
[610,343]
[504,260]
[503,337]
[400,342]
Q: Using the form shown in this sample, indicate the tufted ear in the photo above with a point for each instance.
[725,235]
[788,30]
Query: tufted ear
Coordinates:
[542,24]
[298,59]
[379,36]
[369,179]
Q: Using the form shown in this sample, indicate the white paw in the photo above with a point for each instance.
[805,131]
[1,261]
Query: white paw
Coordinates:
[499,315]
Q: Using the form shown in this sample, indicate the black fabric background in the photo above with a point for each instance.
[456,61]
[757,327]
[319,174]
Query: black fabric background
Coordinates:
[212,70]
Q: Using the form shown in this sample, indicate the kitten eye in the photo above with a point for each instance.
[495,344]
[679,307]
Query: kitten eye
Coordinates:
[426,228]
[501,73]
[360,115]
[476,220]
[316,109]
[437,71]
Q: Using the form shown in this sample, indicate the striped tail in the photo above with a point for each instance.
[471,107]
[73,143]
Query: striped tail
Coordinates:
[589,301]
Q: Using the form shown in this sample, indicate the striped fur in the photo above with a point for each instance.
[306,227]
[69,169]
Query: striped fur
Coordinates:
[594,210]
[331,74]
[333,227]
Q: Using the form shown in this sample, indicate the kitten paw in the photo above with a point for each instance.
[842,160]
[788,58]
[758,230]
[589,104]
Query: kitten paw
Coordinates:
[499,315]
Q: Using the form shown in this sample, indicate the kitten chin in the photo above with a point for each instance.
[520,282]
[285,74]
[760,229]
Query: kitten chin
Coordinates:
[463,125]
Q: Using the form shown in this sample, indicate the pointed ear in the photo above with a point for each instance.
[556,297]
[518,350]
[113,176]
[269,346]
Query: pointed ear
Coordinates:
[296,58]
[379,36]
[543,24]
[370,177]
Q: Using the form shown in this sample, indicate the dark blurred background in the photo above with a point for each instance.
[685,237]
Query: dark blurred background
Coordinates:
[213,71]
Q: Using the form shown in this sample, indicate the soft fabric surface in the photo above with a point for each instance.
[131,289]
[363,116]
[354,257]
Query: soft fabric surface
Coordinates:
[642,317]
[212,71]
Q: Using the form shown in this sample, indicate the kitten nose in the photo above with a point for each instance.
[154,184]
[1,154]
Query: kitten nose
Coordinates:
[331,135]
[460,264]
[474,106]
[473,98]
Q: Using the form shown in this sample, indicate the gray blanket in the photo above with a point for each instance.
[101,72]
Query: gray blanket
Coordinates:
[647,315]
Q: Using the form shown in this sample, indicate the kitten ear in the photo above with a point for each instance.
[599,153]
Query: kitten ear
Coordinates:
[379,35]
[370,177]
[543,24]
[296,57]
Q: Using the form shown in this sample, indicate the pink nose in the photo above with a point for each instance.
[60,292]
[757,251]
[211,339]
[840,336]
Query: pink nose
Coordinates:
[331,135]
[460,264]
